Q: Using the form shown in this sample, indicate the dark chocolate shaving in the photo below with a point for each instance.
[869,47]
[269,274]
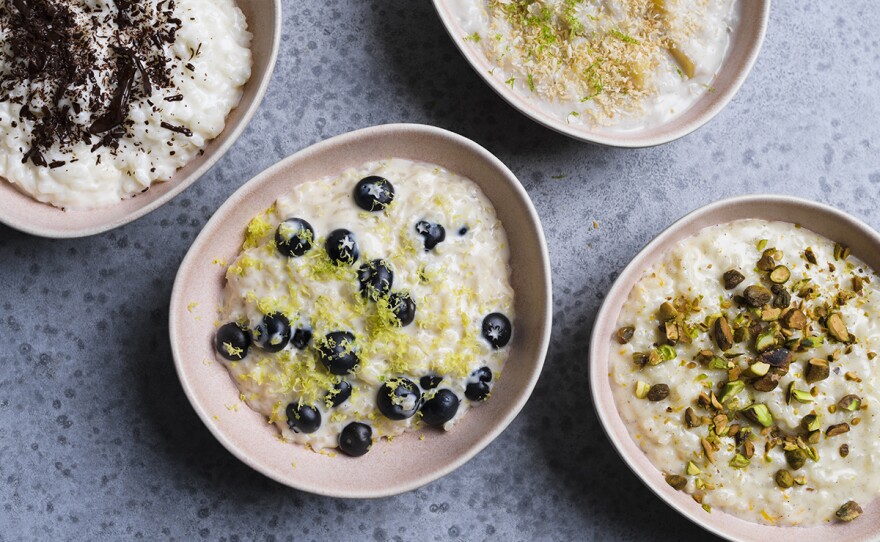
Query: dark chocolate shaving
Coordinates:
[179,129]
[52,67]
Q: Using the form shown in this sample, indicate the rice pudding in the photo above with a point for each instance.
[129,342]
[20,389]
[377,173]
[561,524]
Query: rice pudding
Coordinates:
[746,371]
[610,64]
[102,98]
[367,304]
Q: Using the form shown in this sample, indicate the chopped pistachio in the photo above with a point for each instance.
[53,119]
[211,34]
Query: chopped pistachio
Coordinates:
[642,389]
[817,369]
[666,352]
[795,458]
[849,511]
[850,402]
[723,334]
[720,422]
[668,312]
[811,422]
[782,299]
[769,259]
[719,363]
[758,368]
[739,462]
[757,296]
[837,429]
[759,413]
[691,418]
[794,319]
[858,283]
[624,334]
[798,395]
[844,450]
[731,389]
[708,450]
[810,256]
[654,357]
[670,329]
[766,339]
[748,448]
[732,279]
[692,469]
[640,358]
[677,482]
[784,479]
[770,314]
[658,392]
[780,274]
[837,328]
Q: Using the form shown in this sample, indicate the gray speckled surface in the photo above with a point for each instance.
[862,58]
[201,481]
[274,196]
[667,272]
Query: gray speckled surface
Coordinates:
[97,440]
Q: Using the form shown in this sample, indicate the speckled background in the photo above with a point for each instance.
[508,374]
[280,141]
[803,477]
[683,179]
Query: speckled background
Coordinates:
[97,440]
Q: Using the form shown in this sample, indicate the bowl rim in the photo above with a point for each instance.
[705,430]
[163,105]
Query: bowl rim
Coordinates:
[230,138]
[344,140]
[631,139]
[599,380]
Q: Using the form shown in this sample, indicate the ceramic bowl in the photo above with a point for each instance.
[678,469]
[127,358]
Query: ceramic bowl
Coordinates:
[745,44]
[824,220]
[19,211]
[408,462]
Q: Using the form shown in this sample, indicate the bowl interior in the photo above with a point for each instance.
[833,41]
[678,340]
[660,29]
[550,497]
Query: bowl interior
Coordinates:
[746,41]
[408,462]
[19,211]
[833,224]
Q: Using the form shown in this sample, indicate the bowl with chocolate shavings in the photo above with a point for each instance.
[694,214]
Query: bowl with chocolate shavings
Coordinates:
[96,80]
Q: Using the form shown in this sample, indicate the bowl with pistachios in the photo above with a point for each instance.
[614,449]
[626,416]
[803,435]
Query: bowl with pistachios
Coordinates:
[735,368]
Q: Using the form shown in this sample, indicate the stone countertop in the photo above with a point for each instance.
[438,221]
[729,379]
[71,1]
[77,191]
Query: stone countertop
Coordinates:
[97,440]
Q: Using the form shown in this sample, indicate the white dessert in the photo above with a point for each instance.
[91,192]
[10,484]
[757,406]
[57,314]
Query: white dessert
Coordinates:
[209,61]
[725,475]
[454,286]
[611,64]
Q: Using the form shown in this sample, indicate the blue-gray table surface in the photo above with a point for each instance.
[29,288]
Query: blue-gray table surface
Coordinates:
[97,440]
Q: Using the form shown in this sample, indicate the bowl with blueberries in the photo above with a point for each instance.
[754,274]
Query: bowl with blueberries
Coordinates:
[368,314]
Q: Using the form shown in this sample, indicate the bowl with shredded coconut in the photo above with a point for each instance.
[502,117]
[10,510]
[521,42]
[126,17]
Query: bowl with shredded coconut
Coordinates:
[625,73]
[110,110]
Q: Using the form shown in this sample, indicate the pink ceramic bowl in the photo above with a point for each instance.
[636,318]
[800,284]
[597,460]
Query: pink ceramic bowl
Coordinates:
[408,462]
[745,45]
[824,220]
[19,211]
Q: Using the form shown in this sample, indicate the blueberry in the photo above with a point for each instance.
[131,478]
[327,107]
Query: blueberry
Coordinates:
[273,333]
[483,374]
[294,237]
[398,399]
[429,382]
[340,394]
[433,233]
[233,341]
[441,408]
[376,278]
[373,193]
[404,308]
[337,352]
[478,384]
[463,230]
[342,247]
[302,336]
[303,418]
[356,439]
[497,330]
[477,391]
